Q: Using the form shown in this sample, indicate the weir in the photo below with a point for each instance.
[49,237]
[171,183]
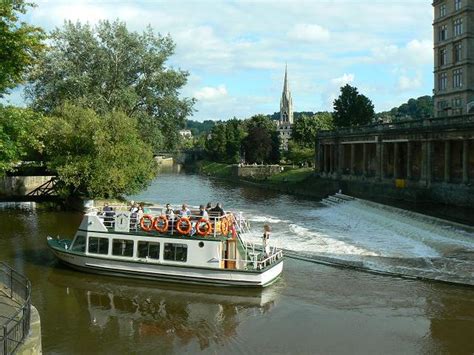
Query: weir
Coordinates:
[371,237]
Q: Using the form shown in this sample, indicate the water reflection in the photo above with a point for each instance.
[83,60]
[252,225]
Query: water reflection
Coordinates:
[162,313]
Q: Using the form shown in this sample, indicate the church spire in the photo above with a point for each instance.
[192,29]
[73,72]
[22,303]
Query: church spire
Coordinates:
[285,84]
[286,103]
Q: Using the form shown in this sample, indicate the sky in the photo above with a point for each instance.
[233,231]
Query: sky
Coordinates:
[236,51]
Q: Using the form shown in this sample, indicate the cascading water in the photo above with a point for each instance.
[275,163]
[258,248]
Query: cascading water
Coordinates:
[376,238]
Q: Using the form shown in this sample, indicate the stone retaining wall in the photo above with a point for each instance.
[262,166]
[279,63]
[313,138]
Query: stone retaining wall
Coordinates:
[20,185]
[257,172]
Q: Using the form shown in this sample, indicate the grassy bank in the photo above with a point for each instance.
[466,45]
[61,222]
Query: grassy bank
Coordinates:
[297,181]
[215,169]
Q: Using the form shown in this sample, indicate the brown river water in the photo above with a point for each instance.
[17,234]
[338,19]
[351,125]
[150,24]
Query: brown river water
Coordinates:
[312,309]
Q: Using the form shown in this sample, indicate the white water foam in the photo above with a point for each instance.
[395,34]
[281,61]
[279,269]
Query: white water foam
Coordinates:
[381,239]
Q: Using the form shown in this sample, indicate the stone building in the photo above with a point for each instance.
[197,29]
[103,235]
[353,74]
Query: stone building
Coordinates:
[434,156]
[430,160]
[453,57]
[285,123]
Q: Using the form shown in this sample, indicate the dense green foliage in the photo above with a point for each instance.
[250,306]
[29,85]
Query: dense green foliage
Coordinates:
[419,108]
[197,128]
[18,136]
[254,141]
[225,143]
[20,44]
[96,155]
[108,68]
[262,143]
[306,128]
[352,108]
[296,115]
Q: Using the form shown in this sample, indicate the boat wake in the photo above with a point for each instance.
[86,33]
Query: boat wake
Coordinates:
[376,238]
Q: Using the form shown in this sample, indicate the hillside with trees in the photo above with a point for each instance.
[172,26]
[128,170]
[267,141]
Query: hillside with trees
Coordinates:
[419,108]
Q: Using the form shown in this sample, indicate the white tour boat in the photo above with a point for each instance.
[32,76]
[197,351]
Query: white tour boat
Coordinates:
[169,248]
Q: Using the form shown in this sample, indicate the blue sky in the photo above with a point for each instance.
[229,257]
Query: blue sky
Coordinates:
[236,51]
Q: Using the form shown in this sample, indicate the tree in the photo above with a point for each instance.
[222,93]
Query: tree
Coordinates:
[352,108]
[96,155]
[18,136]
[20,44]
[108,68]
[216,145]
[261,145]
[306,128]
[234,135]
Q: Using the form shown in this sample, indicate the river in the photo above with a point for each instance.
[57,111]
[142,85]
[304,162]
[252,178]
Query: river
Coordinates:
[312,309]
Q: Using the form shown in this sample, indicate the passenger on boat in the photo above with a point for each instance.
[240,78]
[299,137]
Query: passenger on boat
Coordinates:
[184,212]
[202,212]
[134,216]
[208,206]
[266,236]
[168,212]
[217,210]
[108,214]
[144,208]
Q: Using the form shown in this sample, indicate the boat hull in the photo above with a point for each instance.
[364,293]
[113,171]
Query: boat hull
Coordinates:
[170,273]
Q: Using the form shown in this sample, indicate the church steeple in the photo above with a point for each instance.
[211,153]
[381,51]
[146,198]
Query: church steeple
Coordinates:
[286,102]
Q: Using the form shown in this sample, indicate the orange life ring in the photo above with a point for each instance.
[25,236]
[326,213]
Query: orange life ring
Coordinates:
[203,231]
[187,222]
[146,223]
[161,223]
[224,226]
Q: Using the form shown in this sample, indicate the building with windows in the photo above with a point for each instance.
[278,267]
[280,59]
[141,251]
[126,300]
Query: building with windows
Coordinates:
[285,123]
[453,57]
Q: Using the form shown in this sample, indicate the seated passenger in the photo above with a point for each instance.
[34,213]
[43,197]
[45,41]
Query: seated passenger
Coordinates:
[108,214]
[168,212]
[202,212]
[184,212]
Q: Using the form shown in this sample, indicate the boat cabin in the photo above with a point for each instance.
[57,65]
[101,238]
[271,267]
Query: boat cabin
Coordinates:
[154,238]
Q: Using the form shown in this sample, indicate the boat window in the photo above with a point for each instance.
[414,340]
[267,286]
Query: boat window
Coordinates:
[79,244]
[175,252]
[149,250]
[122,247]
[98,245]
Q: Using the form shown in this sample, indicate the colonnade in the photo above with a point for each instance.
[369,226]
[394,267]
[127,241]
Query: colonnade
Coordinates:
[426,161]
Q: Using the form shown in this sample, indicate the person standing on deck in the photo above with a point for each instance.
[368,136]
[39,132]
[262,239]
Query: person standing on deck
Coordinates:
[266,236]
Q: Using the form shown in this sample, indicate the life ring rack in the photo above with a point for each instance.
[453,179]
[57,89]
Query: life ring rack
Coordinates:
[146,223]
[203,231]
[161,223]
[224,226]
[187,222]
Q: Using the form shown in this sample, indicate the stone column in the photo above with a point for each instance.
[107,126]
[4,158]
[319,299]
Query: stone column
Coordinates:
[395,161]
[409,153]
[379,159]
[426,156]
[352,159]
[465,161]
[323,165]
[340,160]
[447,161]
[429,165]
[364,159]
[331,158]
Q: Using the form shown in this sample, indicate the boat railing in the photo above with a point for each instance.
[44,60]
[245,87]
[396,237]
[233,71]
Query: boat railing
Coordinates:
[257,260]
[108,218]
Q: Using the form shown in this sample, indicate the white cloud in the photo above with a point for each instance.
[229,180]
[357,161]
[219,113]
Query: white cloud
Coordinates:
[309,32]
[209,93]
[343,80]
[405,83]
